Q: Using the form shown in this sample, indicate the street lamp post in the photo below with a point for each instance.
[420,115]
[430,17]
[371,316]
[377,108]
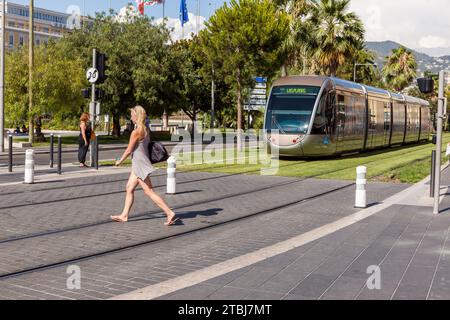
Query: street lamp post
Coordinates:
[30,71]
[361,64]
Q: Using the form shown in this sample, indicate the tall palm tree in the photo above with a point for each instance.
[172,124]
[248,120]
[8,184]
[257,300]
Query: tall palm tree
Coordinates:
[336,33]
[400,68]
[292,47]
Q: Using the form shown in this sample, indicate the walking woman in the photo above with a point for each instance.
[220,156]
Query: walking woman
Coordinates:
[141,168]
[84,139]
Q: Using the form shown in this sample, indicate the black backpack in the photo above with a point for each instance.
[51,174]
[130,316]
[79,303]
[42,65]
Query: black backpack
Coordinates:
[157,152]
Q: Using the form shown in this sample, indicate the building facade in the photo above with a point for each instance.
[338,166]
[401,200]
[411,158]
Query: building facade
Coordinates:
[47,25]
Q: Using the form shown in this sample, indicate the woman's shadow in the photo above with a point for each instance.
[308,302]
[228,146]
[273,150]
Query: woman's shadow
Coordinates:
[185,215]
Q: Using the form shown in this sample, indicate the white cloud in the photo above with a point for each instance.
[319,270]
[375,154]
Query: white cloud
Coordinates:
[432,42]
[127,14]
[417,24]
[191,26]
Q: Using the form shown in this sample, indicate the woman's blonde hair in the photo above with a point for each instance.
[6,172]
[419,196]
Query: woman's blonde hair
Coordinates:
[141,116]
[85,116]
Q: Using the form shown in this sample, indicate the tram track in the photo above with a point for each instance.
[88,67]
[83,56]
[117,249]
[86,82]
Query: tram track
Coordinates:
[86,257]
[153,212]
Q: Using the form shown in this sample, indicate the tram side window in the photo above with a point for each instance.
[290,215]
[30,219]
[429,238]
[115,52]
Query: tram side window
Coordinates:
[320,121]
[387,116]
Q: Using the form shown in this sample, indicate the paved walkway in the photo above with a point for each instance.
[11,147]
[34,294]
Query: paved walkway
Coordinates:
[399,252]
[46,228]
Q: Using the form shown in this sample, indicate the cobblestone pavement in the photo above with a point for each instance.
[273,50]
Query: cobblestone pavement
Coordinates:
[408,244]
[74,217]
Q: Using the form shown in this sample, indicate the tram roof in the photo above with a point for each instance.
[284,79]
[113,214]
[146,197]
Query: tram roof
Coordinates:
[319,81]
[301,80]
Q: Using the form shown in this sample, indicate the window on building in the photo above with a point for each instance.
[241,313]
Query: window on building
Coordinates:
[46,30]
[11,24]
[11,39]
[21,40]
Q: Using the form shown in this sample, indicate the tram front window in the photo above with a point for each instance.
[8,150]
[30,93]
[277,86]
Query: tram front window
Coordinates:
[290,109]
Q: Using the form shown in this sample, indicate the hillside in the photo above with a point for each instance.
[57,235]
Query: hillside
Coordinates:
[425,62]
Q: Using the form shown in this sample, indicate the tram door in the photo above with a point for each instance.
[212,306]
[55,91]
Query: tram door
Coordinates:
[340,120]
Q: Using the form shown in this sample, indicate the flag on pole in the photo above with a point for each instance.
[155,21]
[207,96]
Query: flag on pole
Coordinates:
[183,12]
[142,4]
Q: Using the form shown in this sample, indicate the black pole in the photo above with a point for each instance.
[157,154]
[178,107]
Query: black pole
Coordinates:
[59,155]
[96,152]
[433,170]
[10,153]
[51,150]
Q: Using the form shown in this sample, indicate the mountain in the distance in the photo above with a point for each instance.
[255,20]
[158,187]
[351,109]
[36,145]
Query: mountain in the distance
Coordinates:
[425,62]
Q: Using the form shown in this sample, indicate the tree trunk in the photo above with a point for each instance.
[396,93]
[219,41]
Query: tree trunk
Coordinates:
[284,71]
[239,112]
[116,125]
[165,120]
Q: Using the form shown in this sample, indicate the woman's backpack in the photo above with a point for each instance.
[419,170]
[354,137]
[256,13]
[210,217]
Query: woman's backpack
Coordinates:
[157,152]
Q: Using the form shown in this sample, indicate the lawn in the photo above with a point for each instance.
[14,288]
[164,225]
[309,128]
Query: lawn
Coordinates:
[407,164]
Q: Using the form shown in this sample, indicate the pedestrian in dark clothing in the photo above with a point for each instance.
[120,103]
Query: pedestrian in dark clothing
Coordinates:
[84,139]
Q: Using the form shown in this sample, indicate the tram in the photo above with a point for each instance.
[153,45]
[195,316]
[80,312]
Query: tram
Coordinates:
[314,116]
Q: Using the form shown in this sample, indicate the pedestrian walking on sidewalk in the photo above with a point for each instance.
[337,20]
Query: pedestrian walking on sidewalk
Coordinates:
[84,139]
[141,168]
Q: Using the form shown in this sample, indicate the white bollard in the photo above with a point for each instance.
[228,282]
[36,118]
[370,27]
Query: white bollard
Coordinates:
[29,167]
[361,200]
[171,175]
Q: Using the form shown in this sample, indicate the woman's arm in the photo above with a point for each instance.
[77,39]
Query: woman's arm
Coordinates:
[83,132]
[134,138]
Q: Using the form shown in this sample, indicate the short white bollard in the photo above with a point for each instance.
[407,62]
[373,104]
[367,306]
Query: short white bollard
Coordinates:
[171,175]
[29,167]
[361,200]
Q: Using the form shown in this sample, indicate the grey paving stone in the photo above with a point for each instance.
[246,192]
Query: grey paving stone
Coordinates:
[410,292]
[229,293]
[197,292]
[344,288]
[262,295]
[313,286]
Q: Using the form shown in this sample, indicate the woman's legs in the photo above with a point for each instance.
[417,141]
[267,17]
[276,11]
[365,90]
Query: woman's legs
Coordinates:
[148,189]
[131,187]
[82,151]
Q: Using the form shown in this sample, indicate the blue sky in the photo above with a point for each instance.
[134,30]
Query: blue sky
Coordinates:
[207,7]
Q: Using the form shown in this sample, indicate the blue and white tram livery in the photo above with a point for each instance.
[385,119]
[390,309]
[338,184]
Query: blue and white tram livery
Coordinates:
[313,116]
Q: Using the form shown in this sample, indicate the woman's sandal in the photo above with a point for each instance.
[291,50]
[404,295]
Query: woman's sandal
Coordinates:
[172,222]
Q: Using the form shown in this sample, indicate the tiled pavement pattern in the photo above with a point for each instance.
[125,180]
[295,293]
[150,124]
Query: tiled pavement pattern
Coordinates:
[410,245]
[124,271]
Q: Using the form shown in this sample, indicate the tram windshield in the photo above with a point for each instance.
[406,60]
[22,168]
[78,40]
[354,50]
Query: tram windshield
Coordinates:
[290,109]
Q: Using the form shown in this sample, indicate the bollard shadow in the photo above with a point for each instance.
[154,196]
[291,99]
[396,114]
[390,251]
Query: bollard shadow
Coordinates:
[184,192]
[49,182]
[373,204]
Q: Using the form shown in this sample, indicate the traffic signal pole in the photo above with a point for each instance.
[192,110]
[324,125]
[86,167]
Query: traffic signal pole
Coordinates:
[440,117]
[92,112]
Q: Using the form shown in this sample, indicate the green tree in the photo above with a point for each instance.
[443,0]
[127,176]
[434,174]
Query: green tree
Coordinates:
[368,73]
[245,40]
[137,54]
[295,45]
[56,85]
[336,34]
[400,69]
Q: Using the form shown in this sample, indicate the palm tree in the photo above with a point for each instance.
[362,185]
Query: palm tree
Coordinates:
[400,68]
[336,34]
[292,47]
